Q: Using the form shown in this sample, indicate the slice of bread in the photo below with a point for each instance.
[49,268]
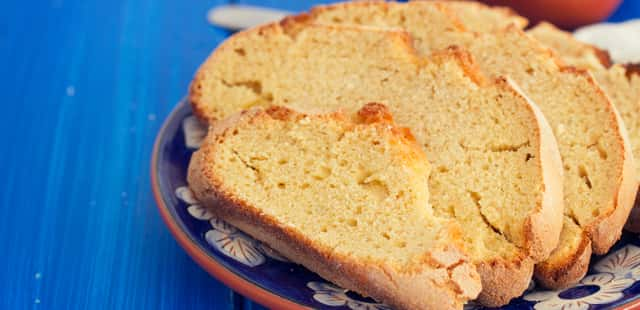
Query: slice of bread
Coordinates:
[599,178]
[346,198]
[497,167]
[570,50]
[570,261]
[620,82]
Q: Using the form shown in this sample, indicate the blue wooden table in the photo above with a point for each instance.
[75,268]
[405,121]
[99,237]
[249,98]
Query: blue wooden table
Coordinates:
[85,86]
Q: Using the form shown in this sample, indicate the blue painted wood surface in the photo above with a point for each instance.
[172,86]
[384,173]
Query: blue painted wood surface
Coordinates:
[85,86]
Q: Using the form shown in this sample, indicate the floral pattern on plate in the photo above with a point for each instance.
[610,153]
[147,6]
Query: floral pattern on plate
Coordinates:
[595,289]
[622,263]
[225,237]
[331,295]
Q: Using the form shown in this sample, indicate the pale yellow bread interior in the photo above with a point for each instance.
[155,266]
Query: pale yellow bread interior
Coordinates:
[496,165]
[352,190]
[598,164]
[620,82]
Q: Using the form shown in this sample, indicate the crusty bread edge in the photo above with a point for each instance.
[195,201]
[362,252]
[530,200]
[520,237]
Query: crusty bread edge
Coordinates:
[543,227]
[568,271]
[376,280]
[506,280]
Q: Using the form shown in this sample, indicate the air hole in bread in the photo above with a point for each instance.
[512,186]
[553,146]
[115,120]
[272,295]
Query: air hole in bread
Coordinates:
[322,173]
[403,18]
[528,157]
[582,172]
[240,51]
[400,244]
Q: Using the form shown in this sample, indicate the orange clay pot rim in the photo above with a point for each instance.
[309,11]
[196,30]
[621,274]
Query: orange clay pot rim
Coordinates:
[199,254]
[211,265]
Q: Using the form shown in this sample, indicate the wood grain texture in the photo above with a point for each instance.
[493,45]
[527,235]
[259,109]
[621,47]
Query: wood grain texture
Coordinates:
[85,86]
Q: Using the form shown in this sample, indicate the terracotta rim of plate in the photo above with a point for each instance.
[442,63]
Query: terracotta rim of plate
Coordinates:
[208,263]
[632,305]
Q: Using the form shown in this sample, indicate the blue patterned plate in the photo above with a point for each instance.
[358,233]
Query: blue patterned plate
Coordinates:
[258,272]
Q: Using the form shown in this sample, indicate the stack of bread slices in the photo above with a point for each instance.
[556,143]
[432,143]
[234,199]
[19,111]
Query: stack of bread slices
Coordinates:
[423,153]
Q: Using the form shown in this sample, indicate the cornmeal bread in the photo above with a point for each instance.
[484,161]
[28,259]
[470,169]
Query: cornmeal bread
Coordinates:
[347,198]
[599,184]
[620,82]
[497,169]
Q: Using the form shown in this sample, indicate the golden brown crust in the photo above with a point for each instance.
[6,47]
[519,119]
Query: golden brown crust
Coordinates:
[375,113]
[567,271]
[344,271]
[603,56]
[465,60]
[444,279]
[502,280]
[632,69]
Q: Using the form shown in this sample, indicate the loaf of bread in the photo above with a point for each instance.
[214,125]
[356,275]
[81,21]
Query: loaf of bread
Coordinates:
[497,169]
[620,82]
[599,183]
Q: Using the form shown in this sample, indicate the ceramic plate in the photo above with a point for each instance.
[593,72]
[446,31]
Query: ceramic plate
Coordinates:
[256,271]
